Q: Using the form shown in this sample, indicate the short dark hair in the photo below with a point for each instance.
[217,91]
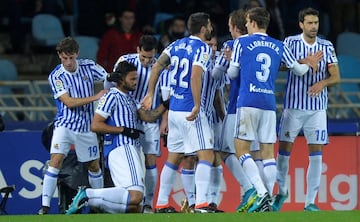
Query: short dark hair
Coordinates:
[260,15]
[122,69]
[196,21]
[68,46]
[147,42]
[307,11]
[238,19]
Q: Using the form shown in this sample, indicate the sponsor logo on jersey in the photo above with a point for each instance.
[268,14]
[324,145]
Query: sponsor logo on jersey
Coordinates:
[255,89]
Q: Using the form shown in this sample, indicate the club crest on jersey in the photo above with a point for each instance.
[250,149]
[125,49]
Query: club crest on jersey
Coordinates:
[287,134]
[85,78]
[56,146]
[58,84]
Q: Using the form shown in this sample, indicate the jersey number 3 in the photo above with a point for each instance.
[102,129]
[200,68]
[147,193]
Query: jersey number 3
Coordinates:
[265,61]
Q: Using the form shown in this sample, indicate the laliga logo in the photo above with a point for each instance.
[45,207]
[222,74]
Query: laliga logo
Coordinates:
[178,192]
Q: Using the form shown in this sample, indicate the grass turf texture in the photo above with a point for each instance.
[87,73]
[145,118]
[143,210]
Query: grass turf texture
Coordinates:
[323,216]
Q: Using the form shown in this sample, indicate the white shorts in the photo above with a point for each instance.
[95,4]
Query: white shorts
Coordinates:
[313,124]
[86,144]
[227,136]
[255,124]
[189,136]
[150,141]
[126,167]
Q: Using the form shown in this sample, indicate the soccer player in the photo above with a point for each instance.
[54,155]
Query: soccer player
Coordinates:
[236,22]
[117,117]
[72,83]
[256,58]
[150,141]
[189,130]
[305,105]
[213,106]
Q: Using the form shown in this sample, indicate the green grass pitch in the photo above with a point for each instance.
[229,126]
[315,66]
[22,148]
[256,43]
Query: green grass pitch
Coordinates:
[322,216]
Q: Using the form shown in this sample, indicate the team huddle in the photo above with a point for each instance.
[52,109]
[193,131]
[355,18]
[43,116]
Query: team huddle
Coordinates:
[181,94]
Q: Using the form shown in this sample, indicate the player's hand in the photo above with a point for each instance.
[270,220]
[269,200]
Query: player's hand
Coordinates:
[101,93]
[227,54]
[164,128]
[147,102]
[314,59]
[316,89]
[194,113]
[132,133]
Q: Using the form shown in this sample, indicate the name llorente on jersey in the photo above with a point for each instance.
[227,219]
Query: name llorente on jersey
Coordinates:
[267,44]
[253,88]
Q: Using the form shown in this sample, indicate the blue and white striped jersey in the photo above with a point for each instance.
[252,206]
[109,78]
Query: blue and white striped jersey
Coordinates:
[184,54]
[143,76]
[259,57]
[296,96]
[143,79]
[119,109]
[209,87]
[79,84]
[223,64]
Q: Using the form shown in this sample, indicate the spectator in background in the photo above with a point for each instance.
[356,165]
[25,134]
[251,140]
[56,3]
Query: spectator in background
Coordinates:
[177,30]
[120,39]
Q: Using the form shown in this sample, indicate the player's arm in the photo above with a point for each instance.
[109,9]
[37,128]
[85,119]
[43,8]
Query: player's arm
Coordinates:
[234,68]
[196,84]
[221,63]
[233,71]
[334,75]
[152,115]
[98,125]
[289,60]
[299,69]
[333,79]
[72,102]
[161,63]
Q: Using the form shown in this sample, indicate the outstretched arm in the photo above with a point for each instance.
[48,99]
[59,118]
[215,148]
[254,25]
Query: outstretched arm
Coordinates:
[75,102]
[161,63]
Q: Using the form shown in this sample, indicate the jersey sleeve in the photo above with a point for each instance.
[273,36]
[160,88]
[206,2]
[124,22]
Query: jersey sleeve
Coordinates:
[236,53]
[202,57]
[99,72]
[332,58]
[58,86]
[106,105]
[288,58]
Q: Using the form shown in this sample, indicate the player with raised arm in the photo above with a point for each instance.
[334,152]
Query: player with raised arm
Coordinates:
[116,117]
[150,141]
[256,58]
[72,83]
[189,129]
[237,21]
[305,105]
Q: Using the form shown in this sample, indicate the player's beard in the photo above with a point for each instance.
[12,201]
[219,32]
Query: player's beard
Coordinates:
[127,87]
